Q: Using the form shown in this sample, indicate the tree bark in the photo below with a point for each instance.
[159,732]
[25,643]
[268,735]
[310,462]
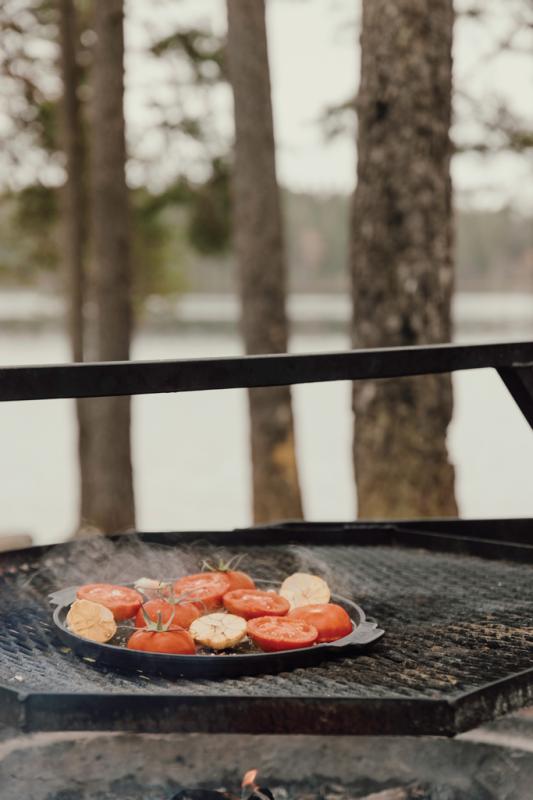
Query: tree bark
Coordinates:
[112,506]
[261,259]
[401,254]
[74,215]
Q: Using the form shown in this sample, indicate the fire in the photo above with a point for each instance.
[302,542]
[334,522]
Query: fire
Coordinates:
[249,779]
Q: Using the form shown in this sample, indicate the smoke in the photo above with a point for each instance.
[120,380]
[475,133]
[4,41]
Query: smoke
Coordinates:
[99,559]
[127,558]
[124,559]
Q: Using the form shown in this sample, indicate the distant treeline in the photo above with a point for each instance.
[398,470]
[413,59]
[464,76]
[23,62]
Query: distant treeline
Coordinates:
[494,249]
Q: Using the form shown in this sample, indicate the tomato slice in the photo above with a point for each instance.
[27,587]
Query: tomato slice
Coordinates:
[205,589]
[331,621]
[239,580]
[175,640]
[180,614]
[121,600]
[281,633]
[250,603]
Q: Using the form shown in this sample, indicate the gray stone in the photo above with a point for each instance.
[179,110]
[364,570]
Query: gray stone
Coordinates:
[150,767]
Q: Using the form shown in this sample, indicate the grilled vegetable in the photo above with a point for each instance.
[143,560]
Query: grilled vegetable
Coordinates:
[239,580]
[152,589]
[281,633]
[250,603]
[236,578]
[162,637]
[170,640]
[331,621]
[301,589]
[180,614]
[205,589]
[92,621]
[121,600]
[218,631]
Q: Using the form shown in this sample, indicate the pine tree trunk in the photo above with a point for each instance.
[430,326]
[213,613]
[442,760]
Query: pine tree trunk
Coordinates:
[401,254]
[261,258]
[74,215]
[112,500]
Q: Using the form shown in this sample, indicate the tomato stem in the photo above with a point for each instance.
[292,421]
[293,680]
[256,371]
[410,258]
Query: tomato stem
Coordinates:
[157,625]
[223,566]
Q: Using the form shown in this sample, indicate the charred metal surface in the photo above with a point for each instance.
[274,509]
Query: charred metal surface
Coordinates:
[457,650]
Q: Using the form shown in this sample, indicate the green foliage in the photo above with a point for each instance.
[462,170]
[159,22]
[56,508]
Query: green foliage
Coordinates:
[28,234]
[494,249]
[209,222]
[203,51]
[36,208]
[166,227]
[47,119]
[36,219]
[170,227]
[156,248]
[29,87]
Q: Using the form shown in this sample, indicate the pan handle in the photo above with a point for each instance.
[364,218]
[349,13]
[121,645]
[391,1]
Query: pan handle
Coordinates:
[63,597]
[364,633]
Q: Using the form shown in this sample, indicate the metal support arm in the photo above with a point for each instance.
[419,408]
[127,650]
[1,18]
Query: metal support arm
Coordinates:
[519,381]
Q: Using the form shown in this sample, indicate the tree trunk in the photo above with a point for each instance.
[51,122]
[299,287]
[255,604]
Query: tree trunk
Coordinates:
[112,500]
[74,214]
[401,254]
[261,258]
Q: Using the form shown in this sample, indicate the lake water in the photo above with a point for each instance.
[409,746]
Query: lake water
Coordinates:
[191,451]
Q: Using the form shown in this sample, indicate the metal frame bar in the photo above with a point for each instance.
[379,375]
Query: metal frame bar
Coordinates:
[502,538]
[513,361]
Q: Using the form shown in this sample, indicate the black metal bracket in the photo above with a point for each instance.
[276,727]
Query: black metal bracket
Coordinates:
[519,381]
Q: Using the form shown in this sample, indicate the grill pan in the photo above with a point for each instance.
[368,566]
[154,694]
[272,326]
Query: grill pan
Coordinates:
[211,665]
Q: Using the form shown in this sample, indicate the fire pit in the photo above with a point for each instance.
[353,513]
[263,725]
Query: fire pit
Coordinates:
[454,596]
[154,767]
[457,651]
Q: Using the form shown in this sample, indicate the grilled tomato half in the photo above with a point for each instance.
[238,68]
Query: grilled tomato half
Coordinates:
[331,621]
[281,633]
[250,603]
[122,601]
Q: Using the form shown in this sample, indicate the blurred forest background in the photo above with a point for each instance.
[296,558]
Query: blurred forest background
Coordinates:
[165,197]
[180,142]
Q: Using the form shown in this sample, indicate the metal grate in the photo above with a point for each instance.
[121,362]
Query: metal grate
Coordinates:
[455,624]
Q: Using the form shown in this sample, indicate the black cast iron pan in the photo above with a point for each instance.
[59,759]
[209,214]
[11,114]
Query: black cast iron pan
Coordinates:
[214,665]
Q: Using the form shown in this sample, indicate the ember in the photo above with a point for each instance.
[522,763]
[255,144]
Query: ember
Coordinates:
[250,790]
[249,780]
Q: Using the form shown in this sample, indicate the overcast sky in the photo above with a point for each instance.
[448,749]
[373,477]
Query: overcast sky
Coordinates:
[314,57]
[314,61]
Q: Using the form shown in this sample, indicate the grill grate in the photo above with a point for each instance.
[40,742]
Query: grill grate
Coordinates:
[454,624]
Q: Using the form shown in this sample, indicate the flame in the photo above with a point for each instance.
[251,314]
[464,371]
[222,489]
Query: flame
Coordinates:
[249,779]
